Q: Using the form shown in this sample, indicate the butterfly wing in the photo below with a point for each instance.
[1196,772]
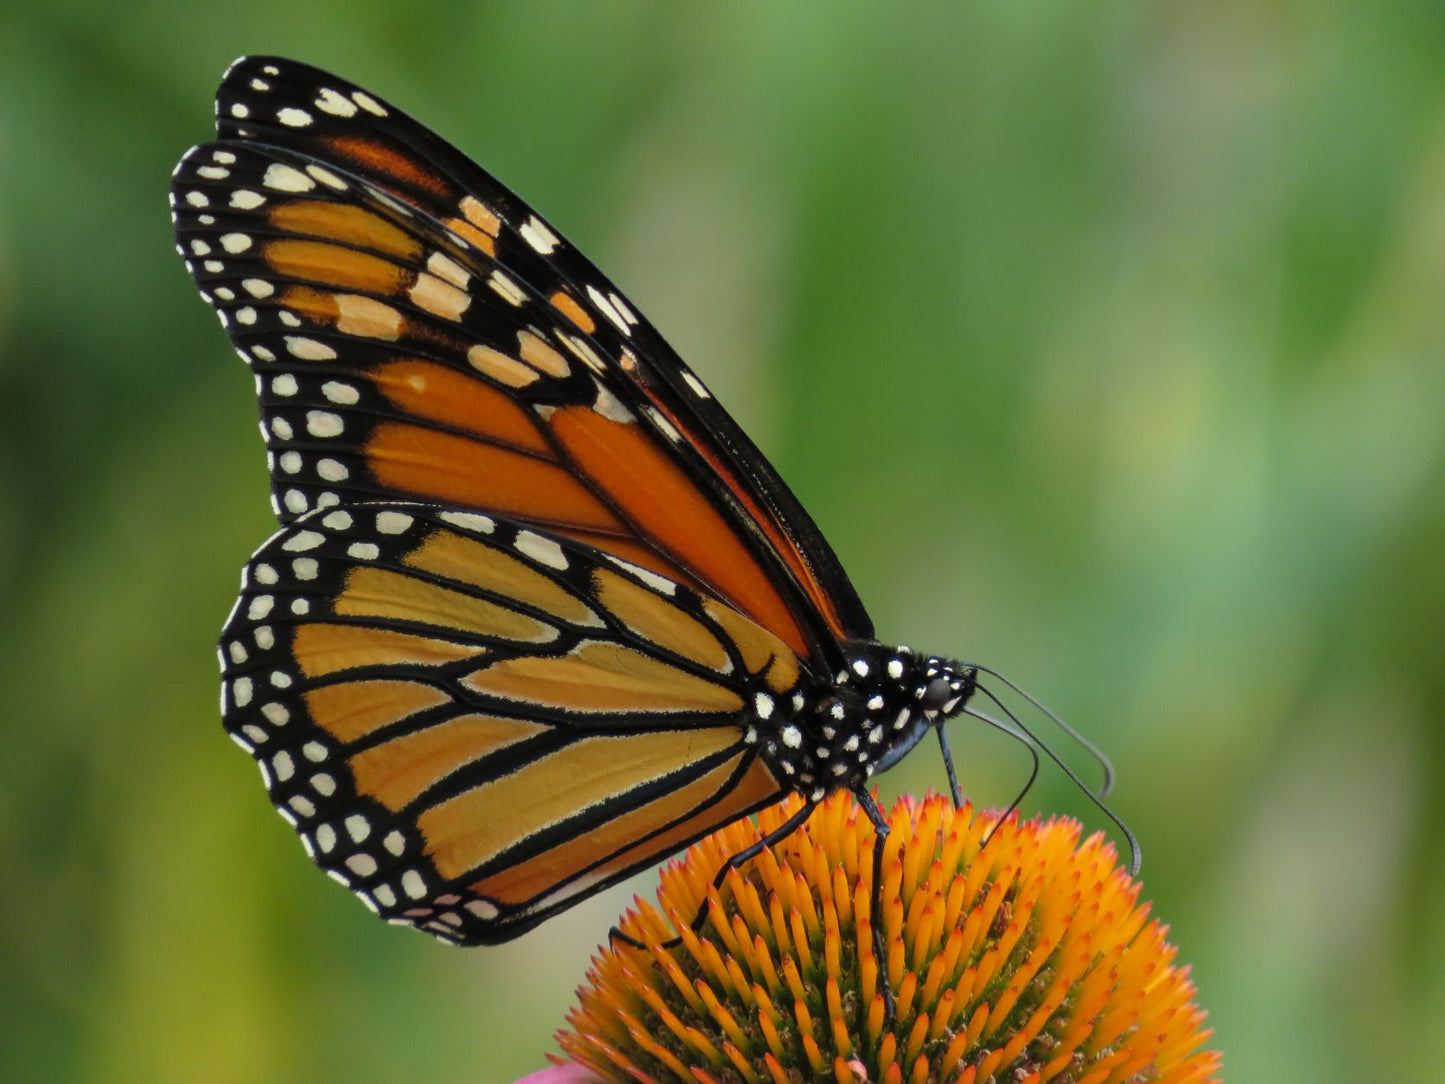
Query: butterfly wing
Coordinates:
[419,332]
[472,724]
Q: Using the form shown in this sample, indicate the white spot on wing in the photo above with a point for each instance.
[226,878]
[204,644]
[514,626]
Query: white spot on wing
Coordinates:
[585,353]
[621,306]
[609,406]
[393,522]
[448,270]
[605,307]
[483,909]
[308,349]
[342,394]
[284,178]
[330,101]
[367,102]
[469,521]
[646,575]
[544,551]
[243,199]
[505,288]
[302,541]
[323,423]
[363,865]
[326,177]
[535,232]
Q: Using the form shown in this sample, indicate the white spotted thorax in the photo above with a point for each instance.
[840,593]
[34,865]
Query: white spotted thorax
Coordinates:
[836,733]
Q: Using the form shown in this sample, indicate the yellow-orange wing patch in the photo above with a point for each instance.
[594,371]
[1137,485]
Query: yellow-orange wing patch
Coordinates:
[473,723]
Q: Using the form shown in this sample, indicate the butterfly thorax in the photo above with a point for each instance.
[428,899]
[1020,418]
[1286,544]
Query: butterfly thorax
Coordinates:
[865,718]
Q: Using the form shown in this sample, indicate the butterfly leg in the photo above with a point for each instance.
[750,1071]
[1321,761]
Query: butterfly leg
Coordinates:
[776,836]
[954,791]
[875,904]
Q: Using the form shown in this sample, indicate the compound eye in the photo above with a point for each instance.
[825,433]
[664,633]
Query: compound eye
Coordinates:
[935,694]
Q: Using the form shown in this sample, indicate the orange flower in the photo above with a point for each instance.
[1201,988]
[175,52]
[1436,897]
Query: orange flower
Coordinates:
[1026,960]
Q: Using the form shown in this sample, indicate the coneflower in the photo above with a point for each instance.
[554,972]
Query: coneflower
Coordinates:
[1029,959]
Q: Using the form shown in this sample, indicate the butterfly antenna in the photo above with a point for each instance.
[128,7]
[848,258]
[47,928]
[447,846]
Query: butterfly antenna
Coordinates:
[1136,855]
[1022,739]
[1097,754]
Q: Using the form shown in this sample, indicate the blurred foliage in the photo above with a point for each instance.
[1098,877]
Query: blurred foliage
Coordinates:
[1105,342]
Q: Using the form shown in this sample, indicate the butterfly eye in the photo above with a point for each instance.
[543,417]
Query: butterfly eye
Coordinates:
[935,694]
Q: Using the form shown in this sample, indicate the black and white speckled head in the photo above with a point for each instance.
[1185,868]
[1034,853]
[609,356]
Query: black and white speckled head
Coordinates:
[840,733]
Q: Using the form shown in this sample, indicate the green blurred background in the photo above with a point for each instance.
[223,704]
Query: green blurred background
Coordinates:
[1104,341]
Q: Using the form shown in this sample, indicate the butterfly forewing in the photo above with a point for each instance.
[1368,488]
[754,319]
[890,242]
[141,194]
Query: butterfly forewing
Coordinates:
[393,251]
[471,724]
[293,105]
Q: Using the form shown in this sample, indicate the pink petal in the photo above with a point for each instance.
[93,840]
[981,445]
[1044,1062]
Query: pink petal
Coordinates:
[562,1074]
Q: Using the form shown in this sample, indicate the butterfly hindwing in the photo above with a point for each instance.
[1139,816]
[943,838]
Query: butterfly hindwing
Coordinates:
[471,723]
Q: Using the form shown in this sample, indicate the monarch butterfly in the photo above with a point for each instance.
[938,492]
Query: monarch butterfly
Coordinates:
[539,613]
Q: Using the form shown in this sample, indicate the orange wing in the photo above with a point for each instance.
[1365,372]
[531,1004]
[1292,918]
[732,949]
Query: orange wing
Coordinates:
[419,332]
[473,725]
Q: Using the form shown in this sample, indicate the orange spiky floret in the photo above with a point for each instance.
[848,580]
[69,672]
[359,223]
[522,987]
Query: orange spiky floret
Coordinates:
[1027,959]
